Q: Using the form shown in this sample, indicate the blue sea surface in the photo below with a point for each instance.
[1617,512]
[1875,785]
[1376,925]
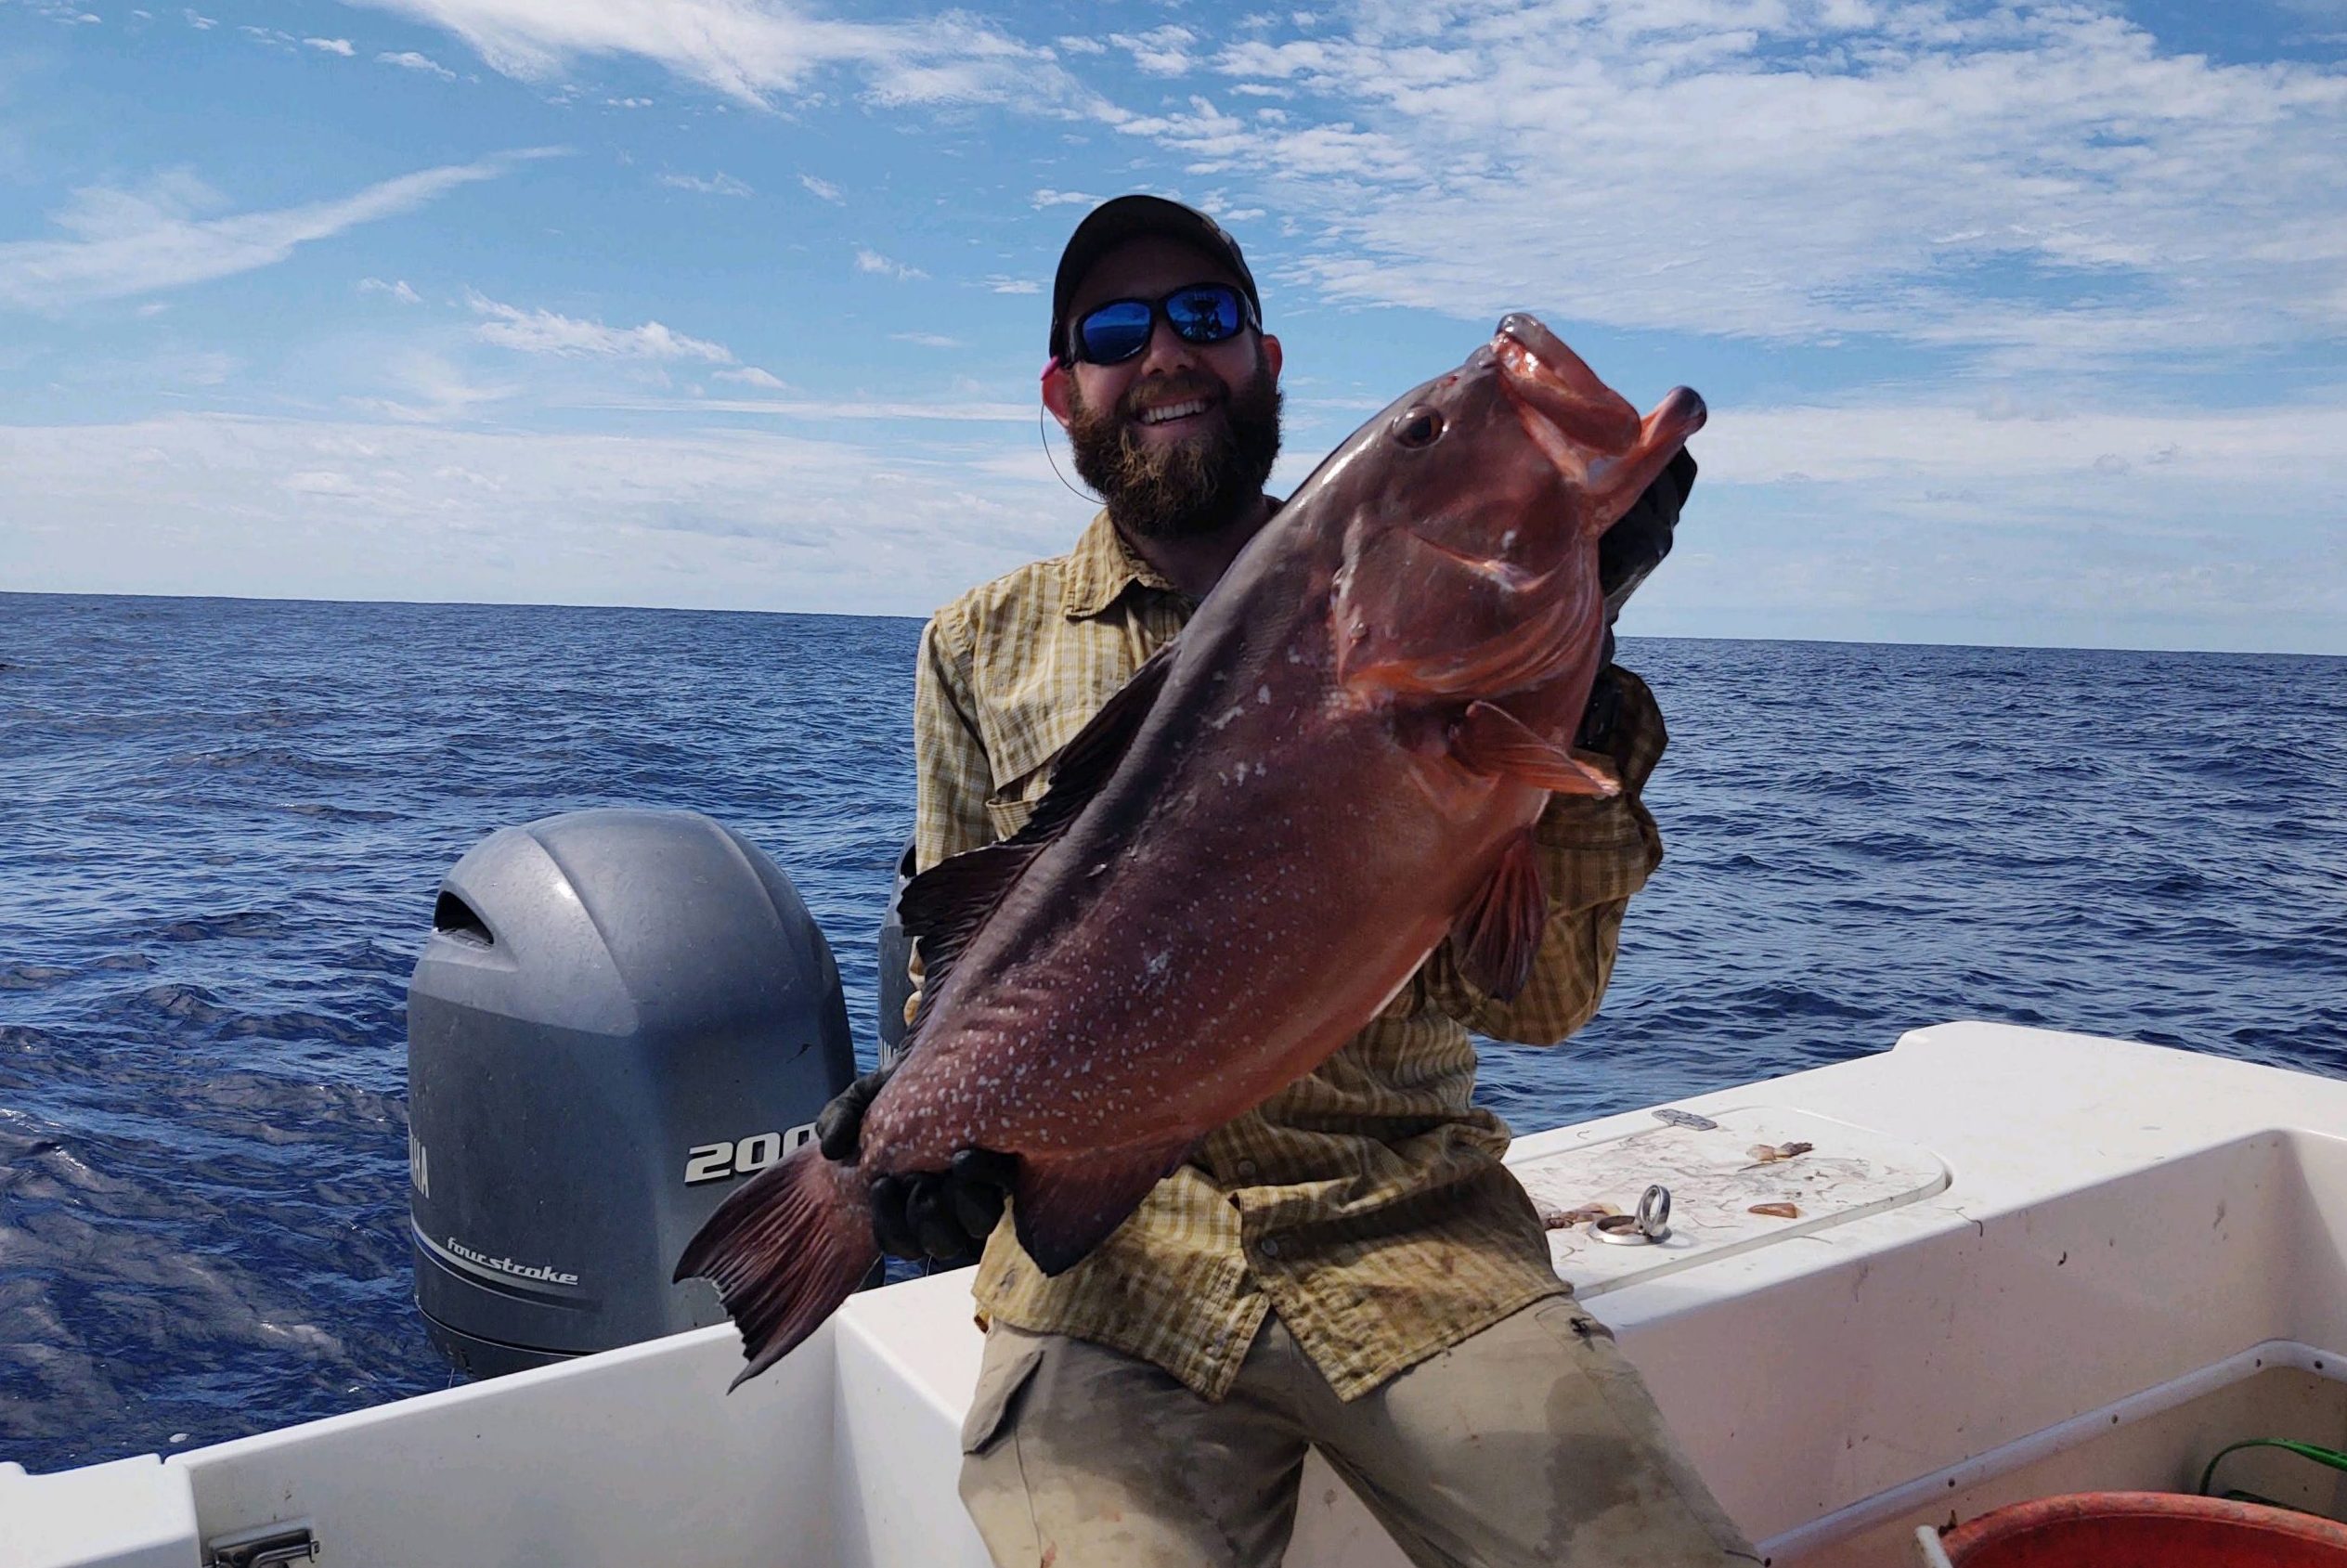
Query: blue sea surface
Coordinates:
[224,823]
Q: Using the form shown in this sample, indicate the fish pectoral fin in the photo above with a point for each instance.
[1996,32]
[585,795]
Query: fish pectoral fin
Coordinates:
[1063,1209]
[1496,941]
[1490,740]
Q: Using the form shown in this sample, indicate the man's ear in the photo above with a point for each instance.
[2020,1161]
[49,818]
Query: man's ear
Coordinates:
[1272,357]
[1055,392]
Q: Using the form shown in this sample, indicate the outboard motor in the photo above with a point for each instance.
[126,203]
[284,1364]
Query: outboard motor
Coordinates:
[896,955]
[618,1015]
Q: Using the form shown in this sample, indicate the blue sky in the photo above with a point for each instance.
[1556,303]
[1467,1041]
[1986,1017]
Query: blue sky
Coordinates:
[2020,323]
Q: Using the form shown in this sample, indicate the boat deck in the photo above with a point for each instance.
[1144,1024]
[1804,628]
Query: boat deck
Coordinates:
[2013,1262]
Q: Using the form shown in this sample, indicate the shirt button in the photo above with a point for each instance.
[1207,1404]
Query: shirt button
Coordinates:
[1269,1247]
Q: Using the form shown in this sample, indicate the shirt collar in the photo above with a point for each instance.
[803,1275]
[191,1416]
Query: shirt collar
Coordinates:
[1101,568]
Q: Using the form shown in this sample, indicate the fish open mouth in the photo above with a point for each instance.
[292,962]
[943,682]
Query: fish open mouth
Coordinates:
[1576,420]
[1545,377]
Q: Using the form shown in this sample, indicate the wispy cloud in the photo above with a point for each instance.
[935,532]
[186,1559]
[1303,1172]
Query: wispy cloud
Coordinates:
[714,185]
[1001,284]
[200,22]
[2036,180]
[873,261]
[397,289]
[758,50]
[407,59]
[332,47]
[1050,197]
[824,189]
[543,332]
[1162,51]
[929,340]
[765,518]
[126,242]
[750,375]
[429,390]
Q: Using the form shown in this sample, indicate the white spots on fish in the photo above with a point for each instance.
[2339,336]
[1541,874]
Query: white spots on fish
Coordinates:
[1158,963]
[1263,695]
[1224,717]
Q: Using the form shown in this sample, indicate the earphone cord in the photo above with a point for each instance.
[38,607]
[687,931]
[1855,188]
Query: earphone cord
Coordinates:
[1044,436]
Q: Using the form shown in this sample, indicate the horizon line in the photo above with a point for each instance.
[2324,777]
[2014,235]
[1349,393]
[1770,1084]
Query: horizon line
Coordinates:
[876,616]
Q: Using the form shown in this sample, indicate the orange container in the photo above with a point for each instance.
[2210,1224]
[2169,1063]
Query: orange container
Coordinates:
[2144,1530]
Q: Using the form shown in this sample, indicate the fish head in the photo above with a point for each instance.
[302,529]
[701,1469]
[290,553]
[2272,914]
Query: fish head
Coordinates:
[1473,506]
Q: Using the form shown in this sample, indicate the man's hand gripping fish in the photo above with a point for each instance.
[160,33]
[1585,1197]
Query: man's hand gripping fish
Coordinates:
[1258,840]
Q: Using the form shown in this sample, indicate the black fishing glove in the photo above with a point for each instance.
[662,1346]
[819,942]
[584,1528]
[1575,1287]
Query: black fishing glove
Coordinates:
[945,1215]
[1626,554]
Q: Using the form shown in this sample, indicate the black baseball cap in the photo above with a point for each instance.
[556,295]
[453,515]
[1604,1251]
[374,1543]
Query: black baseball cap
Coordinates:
[1128,217]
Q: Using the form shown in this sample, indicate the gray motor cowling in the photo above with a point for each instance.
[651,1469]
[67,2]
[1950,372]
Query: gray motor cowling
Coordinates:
[896,954]
[618,1014]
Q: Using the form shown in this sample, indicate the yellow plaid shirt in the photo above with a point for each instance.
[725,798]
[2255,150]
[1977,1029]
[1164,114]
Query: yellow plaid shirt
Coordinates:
[1365,1203]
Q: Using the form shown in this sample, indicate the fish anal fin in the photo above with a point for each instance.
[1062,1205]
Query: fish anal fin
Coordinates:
[1063,1209]
[1490,740]
[1496,941]
[943,907]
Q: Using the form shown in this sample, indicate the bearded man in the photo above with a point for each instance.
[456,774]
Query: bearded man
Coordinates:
[1348,1266]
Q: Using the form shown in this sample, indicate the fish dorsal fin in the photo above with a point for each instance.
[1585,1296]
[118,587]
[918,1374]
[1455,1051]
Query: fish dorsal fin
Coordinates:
[943,907]
[1085,762]
[1490,740]
[1497,939]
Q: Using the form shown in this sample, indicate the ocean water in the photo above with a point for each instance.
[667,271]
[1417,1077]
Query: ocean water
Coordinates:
[223,824]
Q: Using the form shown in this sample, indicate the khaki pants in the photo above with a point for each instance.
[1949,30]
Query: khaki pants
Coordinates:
[1533,1442]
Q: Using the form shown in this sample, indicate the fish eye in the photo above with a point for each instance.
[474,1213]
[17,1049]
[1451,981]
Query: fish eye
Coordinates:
[1419,427]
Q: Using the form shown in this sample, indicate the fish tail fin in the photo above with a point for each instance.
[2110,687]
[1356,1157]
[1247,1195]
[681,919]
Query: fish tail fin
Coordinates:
[785,1251]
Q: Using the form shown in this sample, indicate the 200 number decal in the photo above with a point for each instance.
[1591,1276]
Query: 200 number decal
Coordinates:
[719,1162]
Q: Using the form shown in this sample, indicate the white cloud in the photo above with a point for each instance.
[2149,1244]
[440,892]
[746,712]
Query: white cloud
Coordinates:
[1002,285]
[1050,197]
[200,22]
[332,47]
[1162,51]
[873,261]
[397,289]
[822,188]
[430,390]
[716,185]
[407,59]
[836,409]
[543,332]
[760,519]
[1939,520]
[929,340]
[2035,181]
[758,50]
[146,241]
[1075,43]
[750,375]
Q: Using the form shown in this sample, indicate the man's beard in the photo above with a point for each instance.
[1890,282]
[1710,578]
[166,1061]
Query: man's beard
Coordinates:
[1198,485]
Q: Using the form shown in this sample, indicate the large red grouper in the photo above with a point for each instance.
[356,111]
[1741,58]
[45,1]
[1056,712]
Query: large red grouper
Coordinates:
[1253,845]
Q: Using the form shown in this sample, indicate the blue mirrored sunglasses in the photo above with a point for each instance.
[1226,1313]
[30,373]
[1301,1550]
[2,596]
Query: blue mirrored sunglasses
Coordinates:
[1199,313]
